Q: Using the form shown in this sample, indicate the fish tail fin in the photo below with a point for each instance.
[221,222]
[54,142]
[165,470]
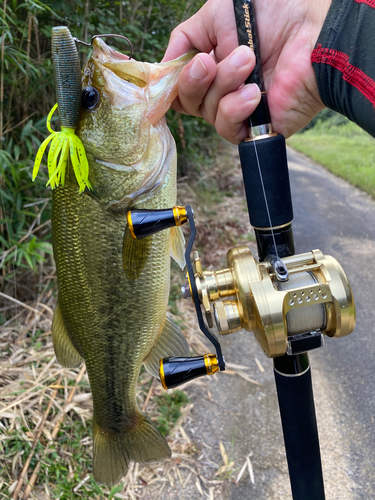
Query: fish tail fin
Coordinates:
[113,451]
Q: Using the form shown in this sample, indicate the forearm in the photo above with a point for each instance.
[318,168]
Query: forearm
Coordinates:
[344,61]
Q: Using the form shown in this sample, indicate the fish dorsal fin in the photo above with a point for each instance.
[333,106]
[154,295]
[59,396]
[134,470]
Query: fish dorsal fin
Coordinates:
[171,342]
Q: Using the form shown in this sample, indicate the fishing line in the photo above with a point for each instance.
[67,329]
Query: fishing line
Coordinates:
[264,190]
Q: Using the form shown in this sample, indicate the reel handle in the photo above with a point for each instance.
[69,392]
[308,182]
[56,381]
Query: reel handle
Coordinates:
[143,223]
[176,371]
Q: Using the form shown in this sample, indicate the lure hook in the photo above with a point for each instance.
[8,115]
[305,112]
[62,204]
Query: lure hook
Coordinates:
[106,35]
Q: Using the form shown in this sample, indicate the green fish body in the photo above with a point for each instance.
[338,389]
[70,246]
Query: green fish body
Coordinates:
[113,290]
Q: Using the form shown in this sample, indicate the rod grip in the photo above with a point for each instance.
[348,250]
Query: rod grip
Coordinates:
[248,35]
[271,153]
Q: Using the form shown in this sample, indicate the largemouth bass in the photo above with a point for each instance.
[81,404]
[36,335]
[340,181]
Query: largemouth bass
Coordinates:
[113,290]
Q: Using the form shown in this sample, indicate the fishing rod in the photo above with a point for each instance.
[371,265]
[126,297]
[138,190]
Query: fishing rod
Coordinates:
[288,301]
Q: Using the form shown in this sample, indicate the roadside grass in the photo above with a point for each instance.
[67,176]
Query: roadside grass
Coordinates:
[46,415]
[346,150]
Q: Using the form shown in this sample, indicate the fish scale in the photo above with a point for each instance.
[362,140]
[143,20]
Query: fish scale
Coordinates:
[111,328]
[85,294]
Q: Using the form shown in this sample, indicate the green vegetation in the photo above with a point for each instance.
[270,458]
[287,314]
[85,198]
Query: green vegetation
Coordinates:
[69,458]
[169,409]
[28,82]
[64,462]
[342,147]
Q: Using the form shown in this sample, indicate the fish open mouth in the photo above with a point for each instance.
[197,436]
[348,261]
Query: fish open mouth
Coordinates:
[128,69]
[98,43]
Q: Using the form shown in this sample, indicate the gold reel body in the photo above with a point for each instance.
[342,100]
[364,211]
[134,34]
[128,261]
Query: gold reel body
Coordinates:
[316,298]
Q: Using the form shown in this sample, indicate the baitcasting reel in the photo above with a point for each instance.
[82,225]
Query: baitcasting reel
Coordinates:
[288,304]
[288,316]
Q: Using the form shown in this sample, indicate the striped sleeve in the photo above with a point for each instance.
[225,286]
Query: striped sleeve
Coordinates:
[344,61]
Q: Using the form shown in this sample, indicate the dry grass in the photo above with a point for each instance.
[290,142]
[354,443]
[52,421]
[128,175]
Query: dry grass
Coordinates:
[46,410]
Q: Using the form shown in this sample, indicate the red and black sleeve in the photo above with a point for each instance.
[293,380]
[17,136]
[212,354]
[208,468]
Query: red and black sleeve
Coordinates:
[344,61]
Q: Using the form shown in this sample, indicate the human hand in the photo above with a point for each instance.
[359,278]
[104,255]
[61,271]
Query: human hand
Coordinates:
[210,85]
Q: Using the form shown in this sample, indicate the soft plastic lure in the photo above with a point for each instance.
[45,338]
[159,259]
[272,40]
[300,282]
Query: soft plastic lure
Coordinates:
[65,145]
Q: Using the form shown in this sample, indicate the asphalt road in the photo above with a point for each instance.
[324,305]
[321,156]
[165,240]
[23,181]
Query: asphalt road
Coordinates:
[339,220]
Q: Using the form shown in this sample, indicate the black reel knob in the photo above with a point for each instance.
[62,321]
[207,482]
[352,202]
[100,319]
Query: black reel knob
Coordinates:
[143,223]
[176,371]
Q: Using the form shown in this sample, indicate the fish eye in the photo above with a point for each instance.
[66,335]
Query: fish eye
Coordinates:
[90,97]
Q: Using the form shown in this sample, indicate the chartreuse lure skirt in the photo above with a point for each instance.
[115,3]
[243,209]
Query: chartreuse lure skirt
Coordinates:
[65,147]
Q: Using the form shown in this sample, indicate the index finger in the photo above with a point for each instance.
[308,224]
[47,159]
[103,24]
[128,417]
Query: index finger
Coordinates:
[212,28]
[188,36]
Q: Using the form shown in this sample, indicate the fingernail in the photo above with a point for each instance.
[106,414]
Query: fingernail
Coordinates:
[198,70]
[241,56]
[250,92]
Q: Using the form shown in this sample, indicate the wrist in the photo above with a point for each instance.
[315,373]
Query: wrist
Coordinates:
[319,11]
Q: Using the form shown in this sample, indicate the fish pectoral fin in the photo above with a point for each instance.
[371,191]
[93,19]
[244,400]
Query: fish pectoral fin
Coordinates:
[65,351]
[171,342]
[113,451]
[135,254]
[177,246]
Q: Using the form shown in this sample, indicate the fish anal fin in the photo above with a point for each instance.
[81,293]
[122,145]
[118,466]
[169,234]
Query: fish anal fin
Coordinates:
[113,451]
[177,246]
[65,351]
[171,342]
[135,254]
